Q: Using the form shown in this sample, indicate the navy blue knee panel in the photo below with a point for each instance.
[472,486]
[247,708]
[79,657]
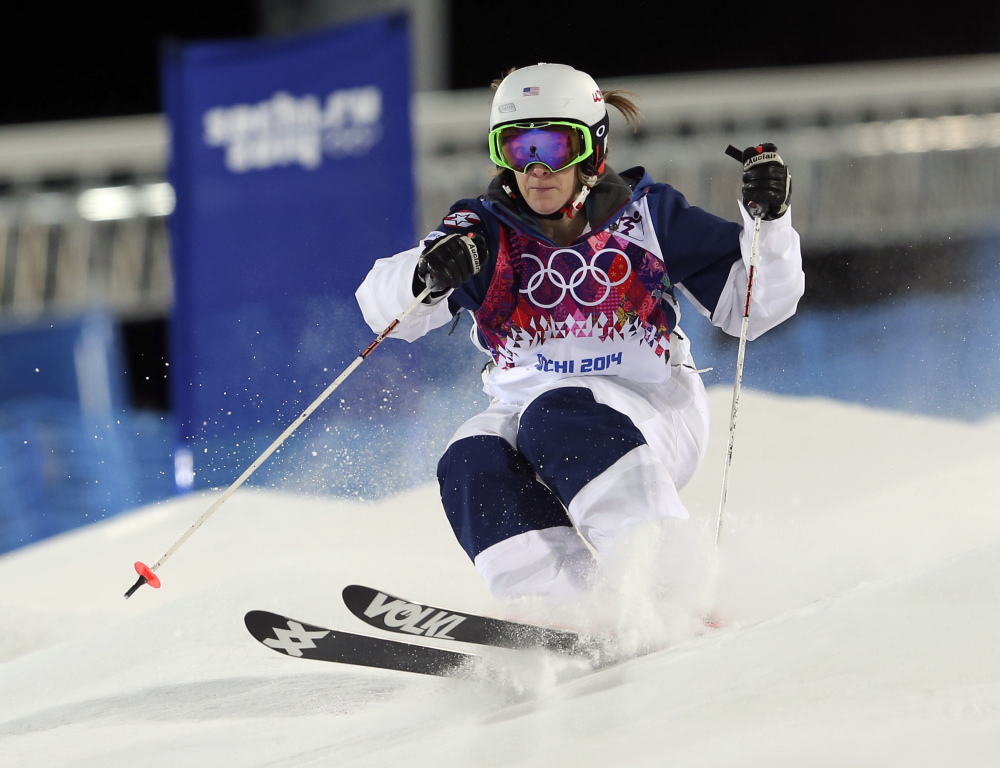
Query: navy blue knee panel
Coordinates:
[490,493]
[570,438]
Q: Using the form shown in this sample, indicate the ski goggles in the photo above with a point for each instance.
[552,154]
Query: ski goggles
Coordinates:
[553,143]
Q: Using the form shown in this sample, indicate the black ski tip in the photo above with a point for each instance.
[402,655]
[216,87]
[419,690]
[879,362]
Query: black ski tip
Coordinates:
[352,591]
[260,623]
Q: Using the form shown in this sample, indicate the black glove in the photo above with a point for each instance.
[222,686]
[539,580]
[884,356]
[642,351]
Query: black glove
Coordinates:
[767,184]
[448,262]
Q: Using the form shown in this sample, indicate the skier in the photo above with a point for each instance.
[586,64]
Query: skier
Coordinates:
[570,270]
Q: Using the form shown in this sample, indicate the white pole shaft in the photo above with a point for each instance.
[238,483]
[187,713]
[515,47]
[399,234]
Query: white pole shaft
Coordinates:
[291,428]
[740,357]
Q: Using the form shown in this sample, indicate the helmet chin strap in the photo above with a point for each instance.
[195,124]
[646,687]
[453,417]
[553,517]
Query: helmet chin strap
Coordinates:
[567,210]
[577,204]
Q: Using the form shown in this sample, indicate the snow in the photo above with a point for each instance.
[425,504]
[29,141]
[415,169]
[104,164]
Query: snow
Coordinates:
[856,576]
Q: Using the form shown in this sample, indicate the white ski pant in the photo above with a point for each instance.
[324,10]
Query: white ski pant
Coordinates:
[528,487]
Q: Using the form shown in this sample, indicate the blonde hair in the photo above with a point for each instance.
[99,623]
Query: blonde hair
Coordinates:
[622,101]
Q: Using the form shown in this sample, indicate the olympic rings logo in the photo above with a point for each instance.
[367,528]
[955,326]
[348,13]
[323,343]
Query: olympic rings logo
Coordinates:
[546,274]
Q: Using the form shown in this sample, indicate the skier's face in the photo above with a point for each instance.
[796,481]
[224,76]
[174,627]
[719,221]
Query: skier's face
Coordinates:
[544,191]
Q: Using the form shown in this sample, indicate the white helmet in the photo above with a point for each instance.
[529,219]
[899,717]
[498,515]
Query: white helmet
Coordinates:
[554,92]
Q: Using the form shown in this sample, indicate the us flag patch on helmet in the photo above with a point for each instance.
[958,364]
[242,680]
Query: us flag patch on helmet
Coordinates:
[461,219]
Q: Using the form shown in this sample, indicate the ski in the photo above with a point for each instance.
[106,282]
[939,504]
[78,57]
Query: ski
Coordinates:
[308,641]
[395,614]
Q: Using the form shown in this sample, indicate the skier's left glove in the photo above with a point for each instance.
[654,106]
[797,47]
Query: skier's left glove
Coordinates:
[767,184]
[448,262]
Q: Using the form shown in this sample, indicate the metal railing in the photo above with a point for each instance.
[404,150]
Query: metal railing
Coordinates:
[66,252]
[881,154]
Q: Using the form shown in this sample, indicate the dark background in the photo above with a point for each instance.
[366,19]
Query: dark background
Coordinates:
[102,60]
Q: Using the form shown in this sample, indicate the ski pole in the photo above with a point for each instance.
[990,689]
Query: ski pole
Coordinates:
[757,212]
[147,574]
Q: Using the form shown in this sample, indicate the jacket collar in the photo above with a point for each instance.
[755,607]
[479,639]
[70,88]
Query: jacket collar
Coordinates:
[603,205]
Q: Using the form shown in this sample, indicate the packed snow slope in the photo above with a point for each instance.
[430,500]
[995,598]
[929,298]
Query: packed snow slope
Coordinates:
[857,578]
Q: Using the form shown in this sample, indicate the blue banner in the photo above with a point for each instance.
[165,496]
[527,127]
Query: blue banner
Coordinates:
[291,161]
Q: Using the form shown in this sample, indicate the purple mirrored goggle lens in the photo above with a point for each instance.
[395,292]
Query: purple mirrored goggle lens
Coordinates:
[556,146]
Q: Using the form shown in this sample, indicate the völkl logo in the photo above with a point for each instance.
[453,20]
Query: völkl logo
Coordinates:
[413,618]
